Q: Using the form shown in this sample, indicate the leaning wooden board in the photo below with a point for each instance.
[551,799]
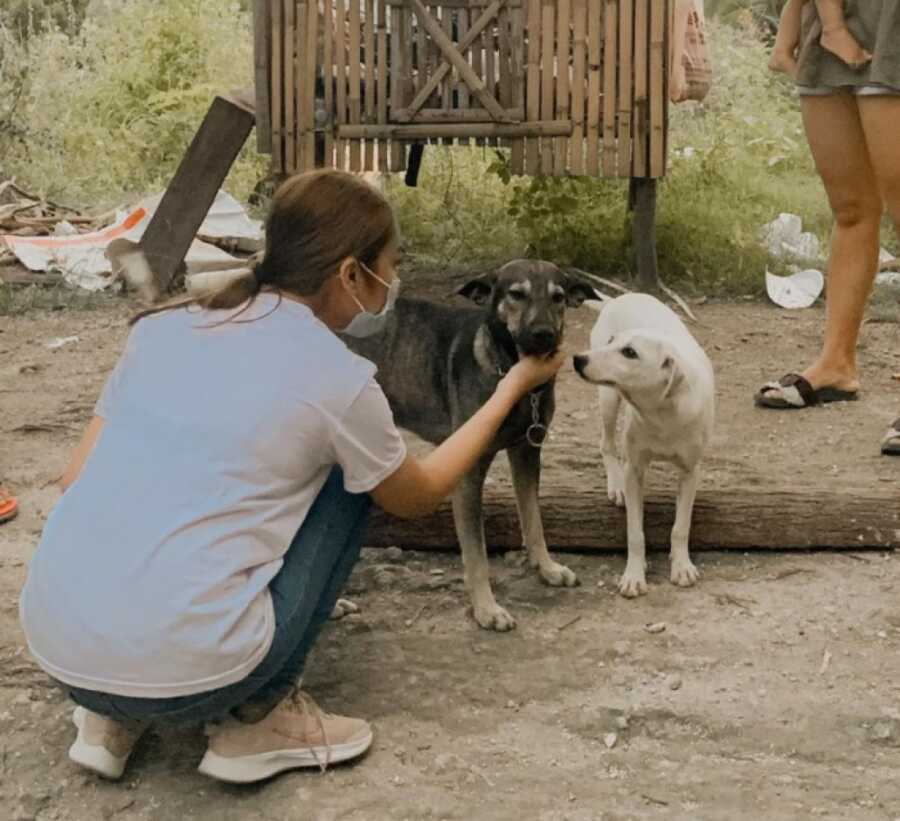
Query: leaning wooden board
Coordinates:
[723,520]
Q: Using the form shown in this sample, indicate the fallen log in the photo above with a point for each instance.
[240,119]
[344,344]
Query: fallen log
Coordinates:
[723,520]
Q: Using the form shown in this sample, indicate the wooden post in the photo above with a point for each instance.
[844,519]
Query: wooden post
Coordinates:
[262,34]
[642,205]
[191,192]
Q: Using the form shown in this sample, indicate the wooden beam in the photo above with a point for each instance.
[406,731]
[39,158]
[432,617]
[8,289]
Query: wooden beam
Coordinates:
[191,192]
[642,204]
[262,32]
[723,520]
[437,131]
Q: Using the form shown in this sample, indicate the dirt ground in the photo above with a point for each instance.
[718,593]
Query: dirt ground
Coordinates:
[773,691]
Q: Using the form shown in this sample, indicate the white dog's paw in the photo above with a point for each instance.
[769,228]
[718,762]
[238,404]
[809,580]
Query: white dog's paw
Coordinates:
[558,575]
[615,482]
[494,617]
[633,583]
[684,573]
[343,607]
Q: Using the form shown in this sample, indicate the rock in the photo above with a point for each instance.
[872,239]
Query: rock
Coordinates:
[673,682]
[656,627]
[393,554]
[885,731]
[610,740]
[622,722]
[621,648]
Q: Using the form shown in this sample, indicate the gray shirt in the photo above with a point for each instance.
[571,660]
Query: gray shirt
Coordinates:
[875,24]
[151,576]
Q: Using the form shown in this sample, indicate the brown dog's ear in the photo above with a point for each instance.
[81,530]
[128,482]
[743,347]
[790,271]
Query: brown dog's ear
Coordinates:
[478,289]
[577,291]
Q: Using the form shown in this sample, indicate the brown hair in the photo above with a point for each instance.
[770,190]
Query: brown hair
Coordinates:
[317,219]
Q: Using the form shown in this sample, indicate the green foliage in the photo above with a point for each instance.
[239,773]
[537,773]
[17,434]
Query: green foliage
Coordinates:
[106,111]
[735,162]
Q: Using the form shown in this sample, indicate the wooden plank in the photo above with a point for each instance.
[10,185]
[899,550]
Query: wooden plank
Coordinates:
[308,57]
[723,519]
[563,33]
[475,83]
[328,79]
[277,85]
[340,48]
[476,55]
[533,95]
[626,83]
[396,152]
[437,131]
[579,78]
[382,81]
[473,5]
[421,65]
[354,98]
[641,103]
[290,92]
[610,63]
[517,69]
[369,89]
[438,75]
[463,25]
[461,115]
[504,47]
[447,28]
[548,35]
[595,34]
[194,186]
[262,28]
[301,9]
[657,87]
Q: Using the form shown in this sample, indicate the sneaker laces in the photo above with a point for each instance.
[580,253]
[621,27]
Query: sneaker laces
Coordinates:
[303,704]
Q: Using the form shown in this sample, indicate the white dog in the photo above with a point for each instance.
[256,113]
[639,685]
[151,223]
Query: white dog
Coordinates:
[642,352]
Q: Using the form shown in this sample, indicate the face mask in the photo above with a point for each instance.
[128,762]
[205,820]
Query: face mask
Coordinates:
[365,323]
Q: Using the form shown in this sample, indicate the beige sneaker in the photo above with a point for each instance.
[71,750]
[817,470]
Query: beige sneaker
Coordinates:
[103,744]
[295,733]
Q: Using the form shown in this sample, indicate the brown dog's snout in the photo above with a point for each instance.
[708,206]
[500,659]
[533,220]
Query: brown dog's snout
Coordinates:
[540,340]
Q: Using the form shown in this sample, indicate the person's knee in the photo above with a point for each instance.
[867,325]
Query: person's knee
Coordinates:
[858,210]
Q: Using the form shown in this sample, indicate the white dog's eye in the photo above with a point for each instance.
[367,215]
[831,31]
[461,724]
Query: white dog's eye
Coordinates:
[629,353]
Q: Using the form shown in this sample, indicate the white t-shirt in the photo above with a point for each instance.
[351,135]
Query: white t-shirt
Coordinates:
[151,577]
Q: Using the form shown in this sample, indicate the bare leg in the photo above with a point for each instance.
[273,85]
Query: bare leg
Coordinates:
[683,572]
[525,462]
[787,39]
[467,514]
[634,579]
[880,118]
[838,143]
[610,401]
[836,37]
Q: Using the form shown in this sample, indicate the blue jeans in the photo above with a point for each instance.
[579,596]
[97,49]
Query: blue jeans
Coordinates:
[316,567]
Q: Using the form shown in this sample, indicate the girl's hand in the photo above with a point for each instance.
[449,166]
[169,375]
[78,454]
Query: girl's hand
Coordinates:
[530,372]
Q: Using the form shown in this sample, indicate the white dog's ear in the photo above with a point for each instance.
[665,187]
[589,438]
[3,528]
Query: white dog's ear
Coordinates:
[676,377]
